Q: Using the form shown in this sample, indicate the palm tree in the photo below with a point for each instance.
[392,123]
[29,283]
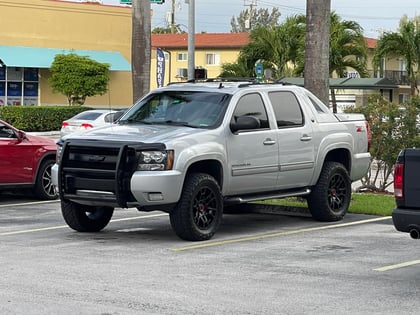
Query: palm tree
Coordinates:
[347,47]
[404,43]
[140,48]
[347,50]
[277,47]
[316,48]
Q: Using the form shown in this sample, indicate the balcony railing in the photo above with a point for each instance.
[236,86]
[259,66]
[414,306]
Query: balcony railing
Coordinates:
[397,77]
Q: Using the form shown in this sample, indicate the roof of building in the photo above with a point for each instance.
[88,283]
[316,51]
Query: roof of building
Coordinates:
[36,57]
[214,40]
[371,42]
[202,40]
[349,83]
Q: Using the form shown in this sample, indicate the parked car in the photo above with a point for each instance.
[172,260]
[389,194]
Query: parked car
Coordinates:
[26,161]
[406,214]
[89,119]
[196,149]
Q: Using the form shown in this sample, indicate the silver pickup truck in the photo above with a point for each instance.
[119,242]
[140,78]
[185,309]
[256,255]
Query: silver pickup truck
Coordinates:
[195,149]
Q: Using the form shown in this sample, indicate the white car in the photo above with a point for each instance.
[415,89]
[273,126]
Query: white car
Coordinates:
[89,119]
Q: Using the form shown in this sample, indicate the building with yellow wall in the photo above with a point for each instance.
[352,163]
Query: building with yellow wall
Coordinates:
[32,31]
[211,51]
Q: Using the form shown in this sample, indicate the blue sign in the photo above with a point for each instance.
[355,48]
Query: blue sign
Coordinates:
[160,67]
[259,69]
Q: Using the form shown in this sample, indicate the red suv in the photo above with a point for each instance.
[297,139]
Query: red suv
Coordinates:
[26,161]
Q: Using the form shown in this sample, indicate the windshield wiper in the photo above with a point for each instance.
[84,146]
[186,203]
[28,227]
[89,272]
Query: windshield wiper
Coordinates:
[135,121]
[178,123]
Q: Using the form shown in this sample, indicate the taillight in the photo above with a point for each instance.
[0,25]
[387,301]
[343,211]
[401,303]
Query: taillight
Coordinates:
[64,124]
[86,126]
[398,180]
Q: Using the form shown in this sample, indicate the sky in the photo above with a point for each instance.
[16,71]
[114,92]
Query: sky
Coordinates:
[214,16]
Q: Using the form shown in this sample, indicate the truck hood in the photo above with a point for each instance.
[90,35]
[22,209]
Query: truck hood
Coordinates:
[136,132]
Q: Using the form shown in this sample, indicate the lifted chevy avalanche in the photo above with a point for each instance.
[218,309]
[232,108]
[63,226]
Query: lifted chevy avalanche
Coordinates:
[191,149]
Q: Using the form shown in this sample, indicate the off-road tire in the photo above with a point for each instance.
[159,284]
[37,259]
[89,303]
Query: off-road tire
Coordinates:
[198,213]
[44,188]
[330,198]
[84,218]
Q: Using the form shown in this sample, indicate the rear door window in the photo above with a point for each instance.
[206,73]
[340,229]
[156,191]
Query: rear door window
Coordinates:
[287,109]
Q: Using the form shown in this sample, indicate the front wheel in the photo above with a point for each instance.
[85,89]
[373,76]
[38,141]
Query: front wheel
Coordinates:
[198,213]
[84,218]
[44,188]
[330,198]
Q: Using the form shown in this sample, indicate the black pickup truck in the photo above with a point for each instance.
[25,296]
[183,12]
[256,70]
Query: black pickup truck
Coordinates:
[406,215]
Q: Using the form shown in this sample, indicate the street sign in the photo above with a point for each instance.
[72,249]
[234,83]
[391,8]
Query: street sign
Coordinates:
[152,1]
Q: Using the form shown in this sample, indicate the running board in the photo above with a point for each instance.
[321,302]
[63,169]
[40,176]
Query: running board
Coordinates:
[278,195]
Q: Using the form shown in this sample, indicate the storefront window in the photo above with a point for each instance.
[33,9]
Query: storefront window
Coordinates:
[2,86]
[18,86]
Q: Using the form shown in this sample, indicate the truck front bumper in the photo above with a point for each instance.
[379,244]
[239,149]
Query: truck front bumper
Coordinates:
[156,187]
[407,220]
[149,189]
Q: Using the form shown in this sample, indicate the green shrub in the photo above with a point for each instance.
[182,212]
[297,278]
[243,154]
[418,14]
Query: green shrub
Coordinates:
[39,118]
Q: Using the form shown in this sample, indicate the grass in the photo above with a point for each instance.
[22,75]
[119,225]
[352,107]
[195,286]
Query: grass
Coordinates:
[362,203]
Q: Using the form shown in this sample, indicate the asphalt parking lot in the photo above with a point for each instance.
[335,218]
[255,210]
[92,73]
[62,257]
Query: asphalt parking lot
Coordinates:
[260,262]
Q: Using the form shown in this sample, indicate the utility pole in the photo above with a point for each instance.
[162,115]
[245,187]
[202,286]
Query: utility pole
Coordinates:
[248,23]
[191,39]
[173,17]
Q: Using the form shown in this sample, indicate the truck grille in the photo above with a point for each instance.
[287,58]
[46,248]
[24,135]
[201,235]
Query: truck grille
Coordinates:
[99,172]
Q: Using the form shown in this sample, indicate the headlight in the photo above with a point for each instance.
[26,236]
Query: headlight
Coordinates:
[59,152]
[155,160]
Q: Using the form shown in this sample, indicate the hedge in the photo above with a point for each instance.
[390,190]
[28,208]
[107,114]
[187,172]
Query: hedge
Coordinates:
[39,118]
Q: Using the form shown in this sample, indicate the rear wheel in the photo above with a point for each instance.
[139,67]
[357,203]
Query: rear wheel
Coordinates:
[84,218]
[198,213]
[330,198]
[44,188]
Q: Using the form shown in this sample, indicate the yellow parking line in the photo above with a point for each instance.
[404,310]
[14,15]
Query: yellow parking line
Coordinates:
[397,266]
[66,226]
[276,234]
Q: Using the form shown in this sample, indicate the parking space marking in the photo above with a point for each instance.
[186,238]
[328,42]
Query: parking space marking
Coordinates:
[27,203]
[275,234]
[34,230]
[397,266]
[66,226]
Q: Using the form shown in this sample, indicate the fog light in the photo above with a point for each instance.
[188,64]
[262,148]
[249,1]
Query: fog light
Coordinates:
[155,196]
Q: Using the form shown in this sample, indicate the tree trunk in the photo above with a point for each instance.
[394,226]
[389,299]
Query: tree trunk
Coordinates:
[140,48]
[317,48]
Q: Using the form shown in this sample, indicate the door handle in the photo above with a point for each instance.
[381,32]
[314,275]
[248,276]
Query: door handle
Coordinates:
[269,141]
[305,137]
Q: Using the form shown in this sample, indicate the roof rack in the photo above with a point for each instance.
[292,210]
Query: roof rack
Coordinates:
[242,81]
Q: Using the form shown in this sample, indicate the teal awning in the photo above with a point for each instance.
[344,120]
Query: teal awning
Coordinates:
[36,57]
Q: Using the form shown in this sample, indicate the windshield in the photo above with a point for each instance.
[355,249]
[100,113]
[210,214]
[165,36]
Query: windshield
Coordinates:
[193,109]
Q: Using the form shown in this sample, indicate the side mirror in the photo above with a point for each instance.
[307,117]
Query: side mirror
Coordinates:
[245,123]
[21,135]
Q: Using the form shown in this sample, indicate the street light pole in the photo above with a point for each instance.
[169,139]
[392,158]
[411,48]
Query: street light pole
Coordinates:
[191,38]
